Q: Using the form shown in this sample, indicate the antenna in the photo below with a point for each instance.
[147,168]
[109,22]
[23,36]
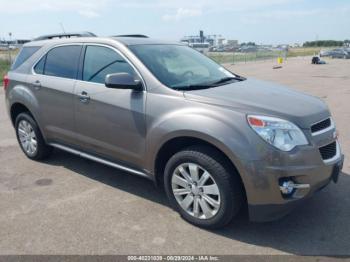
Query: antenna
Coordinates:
[62,27]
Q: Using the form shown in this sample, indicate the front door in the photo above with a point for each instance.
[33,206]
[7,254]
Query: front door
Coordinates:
[109,122]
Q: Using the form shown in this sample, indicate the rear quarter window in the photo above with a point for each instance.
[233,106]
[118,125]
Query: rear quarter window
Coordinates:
[39,67]
[24,55]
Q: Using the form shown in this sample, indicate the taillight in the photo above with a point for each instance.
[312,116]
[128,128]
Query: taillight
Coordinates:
[6,81]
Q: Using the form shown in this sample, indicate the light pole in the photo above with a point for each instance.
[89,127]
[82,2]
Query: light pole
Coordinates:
[10,35]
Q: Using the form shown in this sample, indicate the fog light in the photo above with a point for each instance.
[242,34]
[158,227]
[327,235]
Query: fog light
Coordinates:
[287,187]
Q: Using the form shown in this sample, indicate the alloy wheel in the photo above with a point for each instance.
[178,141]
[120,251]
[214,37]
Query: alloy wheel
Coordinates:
[27,137]
[196,191]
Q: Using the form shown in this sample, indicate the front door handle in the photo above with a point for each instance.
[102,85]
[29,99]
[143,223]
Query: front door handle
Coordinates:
[37,85]
[84,97]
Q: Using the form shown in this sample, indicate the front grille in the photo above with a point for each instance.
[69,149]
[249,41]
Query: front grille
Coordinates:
[321,125]
[328,151]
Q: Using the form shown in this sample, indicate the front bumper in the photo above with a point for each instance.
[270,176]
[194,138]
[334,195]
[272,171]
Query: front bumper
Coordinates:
[265,200]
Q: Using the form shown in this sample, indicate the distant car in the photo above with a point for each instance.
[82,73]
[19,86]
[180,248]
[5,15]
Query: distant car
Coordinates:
[325,53]
[247,49]
[336,53]
[229,49]
[216,49]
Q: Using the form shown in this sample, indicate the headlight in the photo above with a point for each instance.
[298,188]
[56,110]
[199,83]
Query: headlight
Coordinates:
[278,132]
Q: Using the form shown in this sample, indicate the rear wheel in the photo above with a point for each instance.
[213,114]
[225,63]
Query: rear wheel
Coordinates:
[202,188]
[30,138]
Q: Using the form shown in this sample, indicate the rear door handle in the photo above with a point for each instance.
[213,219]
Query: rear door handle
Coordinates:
[84,97]
[37,85]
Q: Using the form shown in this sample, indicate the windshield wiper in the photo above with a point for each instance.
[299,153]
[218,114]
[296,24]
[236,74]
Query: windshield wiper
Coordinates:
[193,87]
[227,79]
[210,84]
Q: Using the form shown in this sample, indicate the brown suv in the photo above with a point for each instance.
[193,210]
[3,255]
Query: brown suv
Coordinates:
[164,111]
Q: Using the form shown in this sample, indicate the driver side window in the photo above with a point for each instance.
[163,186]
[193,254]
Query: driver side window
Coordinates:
[100,61]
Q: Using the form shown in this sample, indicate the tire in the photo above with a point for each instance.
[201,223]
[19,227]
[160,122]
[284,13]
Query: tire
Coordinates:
[229,186]
[28,131]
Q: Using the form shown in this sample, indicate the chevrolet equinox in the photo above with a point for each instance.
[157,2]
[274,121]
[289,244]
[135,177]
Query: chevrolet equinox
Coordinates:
[216,141]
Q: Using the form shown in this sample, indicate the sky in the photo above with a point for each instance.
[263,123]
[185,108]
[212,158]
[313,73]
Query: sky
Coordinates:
[260,21]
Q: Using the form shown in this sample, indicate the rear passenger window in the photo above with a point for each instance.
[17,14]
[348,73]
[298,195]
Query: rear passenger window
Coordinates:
[63,61]
[100,61]
[39,67]
[23,55]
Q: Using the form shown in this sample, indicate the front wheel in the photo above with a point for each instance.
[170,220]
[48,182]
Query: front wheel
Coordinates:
[202,187]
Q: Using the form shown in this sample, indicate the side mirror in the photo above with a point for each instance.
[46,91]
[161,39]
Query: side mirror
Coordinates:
[123,81]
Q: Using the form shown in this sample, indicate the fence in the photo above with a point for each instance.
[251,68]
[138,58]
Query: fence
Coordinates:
[260,55]
[6,59]
[235,57]
[4,67]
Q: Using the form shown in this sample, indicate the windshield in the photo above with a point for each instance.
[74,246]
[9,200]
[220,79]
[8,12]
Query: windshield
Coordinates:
[181,67]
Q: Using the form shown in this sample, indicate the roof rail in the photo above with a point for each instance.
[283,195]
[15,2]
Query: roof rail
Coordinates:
[135,35]
[65,35]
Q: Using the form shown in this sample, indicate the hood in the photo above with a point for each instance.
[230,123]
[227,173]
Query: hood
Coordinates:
[264,98]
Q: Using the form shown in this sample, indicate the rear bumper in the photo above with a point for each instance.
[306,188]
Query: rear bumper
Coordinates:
[272,205]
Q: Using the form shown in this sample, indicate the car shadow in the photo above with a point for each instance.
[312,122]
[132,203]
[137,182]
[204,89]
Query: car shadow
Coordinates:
[320,226]
[121,180]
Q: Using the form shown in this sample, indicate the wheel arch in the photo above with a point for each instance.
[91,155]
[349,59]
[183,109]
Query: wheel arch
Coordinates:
[16,109]
[21,99]
[176,144]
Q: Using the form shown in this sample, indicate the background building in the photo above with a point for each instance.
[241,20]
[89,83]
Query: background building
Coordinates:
[214,42]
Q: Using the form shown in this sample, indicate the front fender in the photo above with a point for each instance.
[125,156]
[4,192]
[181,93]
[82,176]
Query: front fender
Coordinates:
[202,124]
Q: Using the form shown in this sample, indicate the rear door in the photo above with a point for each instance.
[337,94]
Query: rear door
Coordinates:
[53,81]
[109,122]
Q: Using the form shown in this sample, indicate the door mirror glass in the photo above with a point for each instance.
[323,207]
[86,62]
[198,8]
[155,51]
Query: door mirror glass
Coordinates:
[123,81]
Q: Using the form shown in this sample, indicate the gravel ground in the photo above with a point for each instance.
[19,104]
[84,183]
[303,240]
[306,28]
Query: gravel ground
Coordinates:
[68,205]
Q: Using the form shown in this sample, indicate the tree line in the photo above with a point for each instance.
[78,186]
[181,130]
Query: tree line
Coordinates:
[325,43]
